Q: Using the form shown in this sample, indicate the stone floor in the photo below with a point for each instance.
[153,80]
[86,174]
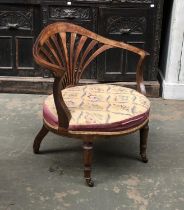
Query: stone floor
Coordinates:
[53,180]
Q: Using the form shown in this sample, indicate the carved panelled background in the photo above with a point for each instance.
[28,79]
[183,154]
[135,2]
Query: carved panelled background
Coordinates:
[137,22]
[17,32]
[131,26]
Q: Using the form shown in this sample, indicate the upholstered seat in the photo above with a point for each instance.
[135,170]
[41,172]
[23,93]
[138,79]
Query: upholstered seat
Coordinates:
[100,107]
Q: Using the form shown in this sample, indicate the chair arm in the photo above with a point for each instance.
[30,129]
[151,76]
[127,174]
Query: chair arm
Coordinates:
[63,112]
[139,75]
[139,69]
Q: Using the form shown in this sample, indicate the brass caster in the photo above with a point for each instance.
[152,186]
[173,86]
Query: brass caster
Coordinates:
[89,182]
[144,158]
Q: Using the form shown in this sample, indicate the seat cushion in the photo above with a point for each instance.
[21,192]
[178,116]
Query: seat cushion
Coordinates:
[100,107]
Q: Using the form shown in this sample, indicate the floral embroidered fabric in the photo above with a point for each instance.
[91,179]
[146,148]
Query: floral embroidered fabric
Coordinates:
[100,107]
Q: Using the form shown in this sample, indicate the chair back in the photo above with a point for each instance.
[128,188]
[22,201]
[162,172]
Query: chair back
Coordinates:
[67,49]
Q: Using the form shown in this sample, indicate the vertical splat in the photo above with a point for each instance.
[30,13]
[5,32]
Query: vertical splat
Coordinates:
[90,47]
[58,48]
[53,51]
[72,44]
[47,55]
[77,53]
[65,50]
[94,55]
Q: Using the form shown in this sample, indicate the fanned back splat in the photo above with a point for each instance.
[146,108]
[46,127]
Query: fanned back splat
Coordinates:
[67,50]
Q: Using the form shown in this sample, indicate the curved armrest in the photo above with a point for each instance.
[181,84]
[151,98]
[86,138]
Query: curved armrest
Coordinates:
[139,69]
[139,75]
[63,112]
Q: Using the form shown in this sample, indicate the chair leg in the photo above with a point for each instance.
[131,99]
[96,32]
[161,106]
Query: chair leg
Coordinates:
[40,136]
[143,143]
[88,149]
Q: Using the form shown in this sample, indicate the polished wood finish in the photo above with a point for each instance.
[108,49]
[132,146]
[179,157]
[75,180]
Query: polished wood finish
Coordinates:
[40,136]
[88,149]
[143,142]
[52,51]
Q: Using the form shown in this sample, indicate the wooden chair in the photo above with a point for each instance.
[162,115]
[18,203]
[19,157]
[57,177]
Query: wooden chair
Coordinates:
[90,111]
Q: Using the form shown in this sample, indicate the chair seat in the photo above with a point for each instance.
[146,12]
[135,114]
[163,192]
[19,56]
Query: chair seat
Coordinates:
[100,107]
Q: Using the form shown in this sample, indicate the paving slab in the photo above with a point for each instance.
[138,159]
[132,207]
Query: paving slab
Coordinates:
[53,180]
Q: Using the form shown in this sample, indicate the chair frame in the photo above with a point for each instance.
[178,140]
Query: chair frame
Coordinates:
[63,65]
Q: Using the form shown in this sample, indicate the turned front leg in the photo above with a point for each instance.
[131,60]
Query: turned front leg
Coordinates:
[143,142]
[88,150]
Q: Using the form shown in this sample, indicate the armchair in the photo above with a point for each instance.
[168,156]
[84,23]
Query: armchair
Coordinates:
[89,111]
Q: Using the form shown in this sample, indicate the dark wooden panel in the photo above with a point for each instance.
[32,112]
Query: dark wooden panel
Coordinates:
[132,26]
[24,57]
[22,25]
[114,60]
[20,18]
[131,59]
[72,13]
[6,52]
[16,18]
